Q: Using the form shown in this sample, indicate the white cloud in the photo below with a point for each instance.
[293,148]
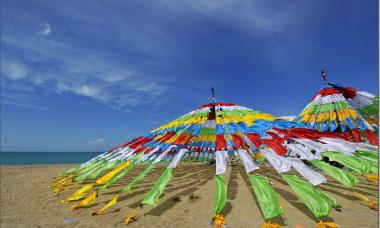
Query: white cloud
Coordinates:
[46,29]
[29,106]
[98,142]
[246,14]
[14,70]
[125,82]
[87,91]
[84,73]
[23,97]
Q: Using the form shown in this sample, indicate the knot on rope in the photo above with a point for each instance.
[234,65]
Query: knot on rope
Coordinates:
[257,156]
[132,217]
[322,224]
[219,221]
[371,204]
[373,178]
[270,225]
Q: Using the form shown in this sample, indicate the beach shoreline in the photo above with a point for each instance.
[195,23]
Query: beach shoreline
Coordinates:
[27,201]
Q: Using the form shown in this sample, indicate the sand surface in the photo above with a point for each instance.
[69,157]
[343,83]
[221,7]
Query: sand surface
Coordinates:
[26,200]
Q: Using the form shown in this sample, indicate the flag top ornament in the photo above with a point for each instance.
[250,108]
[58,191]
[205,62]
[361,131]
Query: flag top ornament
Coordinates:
[221,132]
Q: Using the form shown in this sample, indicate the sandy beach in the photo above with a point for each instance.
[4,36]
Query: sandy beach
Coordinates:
[27,201]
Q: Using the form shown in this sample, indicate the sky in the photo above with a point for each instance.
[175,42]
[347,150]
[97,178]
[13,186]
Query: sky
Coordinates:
[87,75]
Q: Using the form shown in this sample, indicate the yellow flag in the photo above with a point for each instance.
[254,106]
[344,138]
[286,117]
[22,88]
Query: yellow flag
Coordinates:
[79,194]
[61,182]
[61,185]
[109,204]
[322,224]
[270,225]
[104,179]
[133,216]
[57,191]
[86,202]
[361,196]
[57,182]
[373,178]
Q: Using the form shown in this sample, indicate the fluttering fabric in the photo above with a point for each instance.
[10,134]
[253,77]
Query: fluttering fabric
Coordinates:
[345,178]
[221,162]
[318,202]
[309,174]
[356,164]
[280,164]
[152,196]
[266,196]
[220,197]
[249,165]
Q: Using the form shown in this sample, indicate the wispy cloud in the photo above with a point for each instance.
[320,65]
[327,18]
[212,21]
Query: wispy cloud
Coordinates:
[248,15]
[98,142]
[14,70]
[29,106]
[82,72]
[127,63]
[45,29]
[24,98]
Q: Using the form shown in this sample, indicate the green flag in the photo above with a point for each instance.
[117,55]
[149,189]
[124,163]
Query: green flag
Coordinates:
[105,167]
[91,166]
[354,163]
[69,171]
[374,167]
[96,170]
[318,202]
[152,197]
[138,178]
[82,176]
[267,197]
[369,155]
[343,177]
[372,109]
[220,197]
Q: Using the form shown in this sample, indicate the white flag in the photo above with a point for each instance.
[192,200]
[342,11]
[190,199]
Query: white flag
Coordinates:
[366,146]
[146,156]
[353,145]
[318,147]
[221,162]
[247,161]
[280,164]
[158,159]
[302,151]
[177,158]
[339,146]
[309,174]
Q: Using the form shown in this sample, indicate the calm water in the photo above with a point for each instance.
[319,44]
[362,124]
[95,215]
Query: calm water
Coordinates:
[30,158]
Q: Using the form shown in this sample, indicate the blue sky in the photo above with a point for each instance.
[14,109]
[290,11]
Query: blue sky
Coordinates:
[85,75]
